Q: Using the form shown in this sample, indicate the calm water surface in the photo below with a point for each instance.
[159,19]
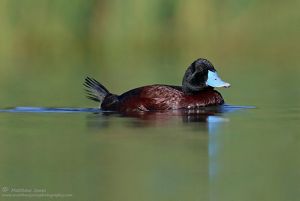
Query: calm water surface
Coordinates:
[48,48]
[228,154]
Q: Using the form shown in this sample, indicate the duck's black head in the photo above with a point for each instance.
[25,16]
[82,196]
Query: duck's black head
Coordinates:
[200,75]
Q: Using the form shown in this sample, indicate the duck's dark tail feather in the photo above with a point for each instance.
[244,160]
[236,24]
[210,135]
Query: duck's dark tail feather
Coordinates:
[95,91]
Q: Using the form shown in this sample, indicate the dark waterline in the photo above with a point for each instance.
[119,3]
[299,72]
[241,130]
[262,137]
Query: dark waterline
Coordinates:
[48,110]
[28,109]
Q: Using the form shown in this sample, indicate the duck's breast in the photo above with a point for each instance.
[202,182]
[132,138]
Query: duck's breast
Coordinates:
[202,99]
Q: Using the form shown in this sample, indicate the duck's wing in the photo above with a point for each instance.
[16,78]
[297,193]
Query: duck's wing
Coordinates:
[162,97]
[151,98]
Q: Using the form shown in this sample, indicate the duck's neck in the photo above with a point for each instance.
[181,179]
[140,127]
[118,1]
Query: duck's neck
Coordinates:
[188,88]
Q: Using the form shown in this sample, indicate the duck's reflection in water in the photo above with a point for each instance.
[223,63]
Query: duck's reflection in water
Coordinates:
[207,115]
[197,130]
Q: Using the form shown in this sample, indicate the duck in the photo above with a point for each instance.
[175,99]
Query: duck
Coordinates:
[197,91]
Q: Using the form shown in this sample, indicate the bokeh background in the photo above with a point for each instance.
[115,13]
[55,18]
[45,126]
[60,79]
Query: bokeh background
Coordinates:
[49,46]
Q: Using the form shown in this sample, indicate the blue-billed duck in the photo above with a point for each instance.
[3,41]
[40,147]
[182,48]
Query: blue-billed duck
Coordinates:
[197,90]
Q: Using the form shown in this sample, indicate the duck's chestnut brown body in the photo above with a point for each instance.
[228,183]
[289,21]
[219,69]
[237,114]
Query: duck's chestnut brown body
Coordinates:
[193,94]
[160,97]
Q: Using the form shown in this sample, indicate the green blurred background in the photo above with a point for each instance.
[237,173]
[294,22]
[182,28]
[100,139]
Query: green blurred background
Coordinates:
[49,46]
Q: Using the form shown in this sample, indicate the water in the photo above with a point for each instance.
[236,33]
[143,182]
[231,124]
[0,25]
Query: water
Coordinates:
[228,153]
[58,147]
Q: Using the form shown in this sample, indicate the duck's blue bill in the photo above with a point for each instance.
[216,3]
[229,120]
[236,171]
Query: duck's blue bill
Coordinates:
[214,80]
